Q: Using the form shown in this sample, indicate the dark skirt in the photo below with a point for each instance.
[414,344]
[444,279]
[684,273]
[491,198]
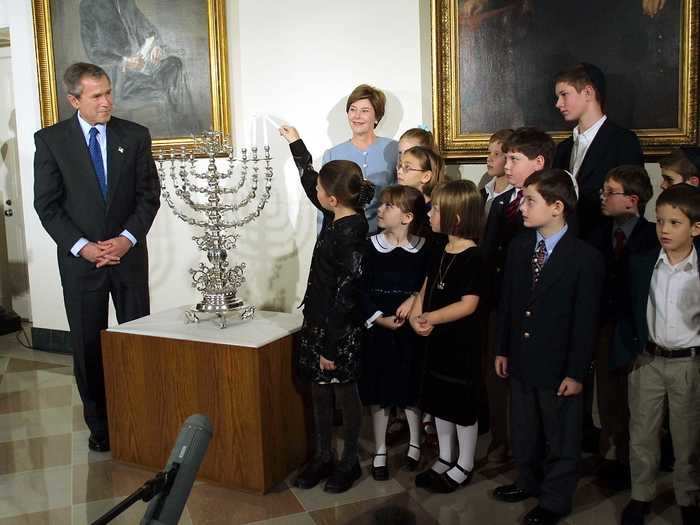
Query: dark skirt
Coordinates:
[311,345]
[391,367]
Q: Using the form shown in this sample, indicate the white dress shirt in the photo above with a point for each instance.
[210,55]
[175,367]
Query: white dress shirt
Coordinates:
[582,141]
[673,308]
[491,194]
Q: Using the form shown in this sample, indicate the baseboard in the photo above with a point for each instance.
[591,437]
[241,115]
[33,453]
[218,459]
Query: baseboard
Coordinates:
[48,340]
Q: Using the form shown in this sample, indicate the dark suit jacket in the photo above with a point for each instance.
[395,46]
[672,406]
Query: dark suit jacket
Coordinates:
[615,303]
[548,333]
[69,204]
[498,232]
[612,146]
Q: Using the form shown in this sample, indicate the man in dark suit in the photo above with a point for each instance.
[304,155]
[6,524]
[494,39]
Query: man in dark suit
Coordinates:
[96,192]
[547,327]
[597,144]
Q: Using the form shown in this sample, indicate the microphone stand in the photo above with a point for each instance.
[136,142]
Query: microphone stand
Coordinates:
[162,482]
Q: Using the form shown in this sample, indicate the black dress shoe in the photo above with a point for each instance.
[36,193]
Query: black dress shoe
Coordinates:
[409,463]
[541,516]
[690,515]
[313,473]
[98,443]
[380,473]
[444,484]
[511,493]
[342,479]
[634,512]
[426,478]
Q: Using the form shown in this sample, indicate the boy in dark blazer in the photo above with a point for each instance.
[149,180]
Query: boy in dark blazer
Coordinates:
[526,150]
[623,233]
[548,320]
[597,145]
[663,333]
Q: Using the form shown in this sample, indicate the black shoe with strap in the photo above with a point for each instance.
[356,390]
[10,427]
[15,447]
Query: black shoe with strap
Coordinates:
[98,443]
[380,473]
[444,484]
[425,478]
[409,463]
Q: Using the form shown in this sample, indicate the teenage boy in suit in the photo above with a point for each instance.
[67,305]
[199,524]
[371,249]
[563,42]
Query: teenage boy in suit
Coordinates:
[526,150]
[623,233]
[663,332]
[96,192]
[548,320]
[597,145]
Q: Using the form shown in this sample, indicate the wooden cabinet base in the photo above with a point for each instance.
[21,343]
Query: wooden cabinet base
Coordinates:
[258,415]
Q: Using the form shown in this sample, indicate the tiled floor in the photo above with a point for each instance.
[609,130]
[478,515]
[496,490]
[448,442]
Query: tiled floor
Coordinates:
[48,475]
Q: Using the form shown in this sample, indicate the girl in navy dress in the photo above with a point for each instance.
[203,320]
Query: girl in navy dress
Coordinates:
[333,331]
[446,313]
[393,356]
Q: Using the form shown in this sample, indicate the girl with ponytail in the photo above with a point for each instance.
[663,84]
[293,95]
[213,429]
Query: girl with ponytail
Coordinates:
[333,331]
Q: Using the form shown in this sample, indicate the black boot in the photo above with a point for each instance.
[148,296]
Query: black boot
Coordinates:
[314,471]
[342,479]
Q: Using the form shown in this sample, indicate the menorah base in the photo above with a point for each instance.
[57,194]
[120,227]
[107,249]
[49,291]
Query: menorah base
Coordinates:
[220,318]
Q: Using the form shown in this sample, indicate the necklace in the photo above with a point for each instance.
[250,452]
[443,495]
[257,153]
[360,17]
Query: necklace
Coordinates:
[441,274]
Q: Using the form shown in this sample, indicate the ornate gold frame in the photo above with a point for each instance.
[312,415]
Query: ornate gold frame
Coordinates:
[473,146]
[218,68]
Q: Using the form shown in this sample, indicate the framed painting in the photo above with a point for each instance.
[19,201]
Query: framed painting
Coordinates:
[166,59]
[494,64]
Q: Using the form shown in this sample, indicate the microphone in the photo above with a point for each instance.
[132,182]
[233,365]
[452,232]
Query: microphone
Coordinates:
[181,470]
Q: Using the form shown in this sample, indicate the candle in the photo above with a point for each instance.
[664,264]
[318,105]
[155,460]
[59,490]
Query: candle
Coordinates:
[264,124]
[255,130]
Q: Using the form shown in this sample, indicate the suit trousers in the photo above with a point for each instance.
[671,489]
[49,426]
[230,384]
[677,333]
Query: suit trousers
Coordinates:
[87,312]
[654,379]
[546,440]
[611,387]
[496,388]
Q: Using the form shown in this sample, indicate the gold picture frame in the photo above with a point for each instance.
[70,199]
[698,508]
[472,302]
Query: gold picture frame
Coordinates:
[451,17]
[212,114]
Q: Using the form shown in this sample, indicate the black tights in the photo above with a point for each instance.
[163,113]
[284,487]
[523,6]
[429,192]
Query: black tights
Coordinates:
[348,399]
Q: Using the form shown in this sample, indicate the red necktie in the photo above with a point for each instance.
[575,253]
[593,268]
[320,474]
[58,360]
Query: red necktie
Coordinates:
[619,246]
[513,207]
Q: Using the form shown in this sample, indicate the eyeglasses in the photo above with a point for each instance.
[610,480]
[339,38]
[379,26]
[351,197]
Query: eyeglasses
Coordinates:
[405,168]
[604,194]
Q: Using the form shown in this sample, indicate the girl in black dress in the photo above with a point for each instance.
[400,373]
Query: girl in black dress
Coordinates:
[446,313]
[393,357]
[333,331]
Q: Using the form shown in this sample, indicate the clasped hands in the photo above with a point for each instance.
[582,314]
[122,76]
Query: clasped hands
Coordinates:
[106,253]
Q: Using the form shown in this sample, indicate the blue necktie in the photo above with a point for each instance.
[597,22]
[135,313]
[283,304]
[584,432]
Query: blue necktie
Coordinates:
[96,156]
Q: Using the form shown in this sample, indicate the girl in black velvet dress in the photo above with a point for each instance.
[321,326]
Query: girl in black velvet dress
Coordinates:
[333,331]
[393,357]
[447,314]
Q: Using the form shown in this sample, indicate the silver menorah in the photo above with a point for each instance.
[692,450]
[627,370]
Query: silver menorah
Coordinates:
[216,201]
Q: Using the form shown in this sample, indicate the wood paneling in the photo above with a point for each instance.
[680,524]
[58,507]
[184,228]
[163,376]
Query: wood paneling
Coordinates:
[258,415]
